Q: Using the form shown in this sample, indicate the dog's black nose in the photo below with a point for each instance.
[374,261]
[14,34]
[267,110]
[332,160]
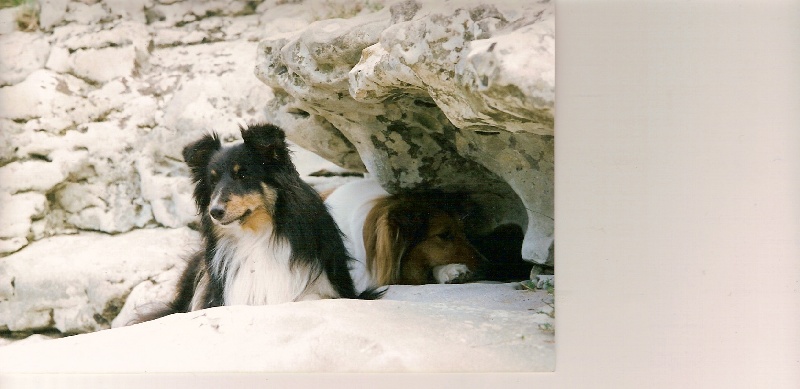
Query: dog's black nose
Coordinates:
[217,212]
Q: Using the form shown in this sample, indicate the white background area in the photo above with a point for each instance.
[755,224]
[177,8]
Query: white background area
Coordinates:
[677,206]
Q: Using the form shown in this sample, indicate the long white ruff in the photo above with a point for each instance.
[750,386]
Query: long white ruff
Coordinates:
[256,270]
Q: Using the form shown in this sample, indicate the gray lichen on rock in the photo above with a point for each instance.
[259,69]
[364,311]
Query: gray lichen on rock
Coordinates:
[430,95]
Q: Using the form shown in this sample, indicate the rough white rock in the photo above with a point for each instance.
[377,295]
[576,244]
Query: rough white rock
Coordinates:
[169,195]
[33,175]
[103,65]
[8,19]
[58,61]
[219,94]
[457,328]
[52,13]
[141,103]
[22,54]
[16,218]
[85,13]
[35,338]
[129,9]
[46,94]
[80,283]
[456,97]
[150,294]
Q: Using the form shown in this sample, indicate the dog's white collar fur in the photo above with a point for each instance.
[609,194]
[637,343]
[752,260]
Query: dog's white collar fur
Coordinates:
[349,205]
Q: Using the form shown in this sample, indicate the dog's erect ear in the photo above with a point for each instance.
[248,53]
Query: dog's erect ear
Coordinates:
[198,154]
[268,141]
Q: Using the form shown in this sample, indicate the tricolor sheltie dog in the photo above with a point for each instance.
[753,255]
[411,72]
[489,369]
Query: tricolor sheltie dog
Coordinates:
[404,239]
[267,236]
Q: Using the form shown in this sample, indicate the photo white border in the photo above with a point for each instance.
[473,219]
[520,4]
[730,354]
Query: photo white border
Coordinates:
[677,207]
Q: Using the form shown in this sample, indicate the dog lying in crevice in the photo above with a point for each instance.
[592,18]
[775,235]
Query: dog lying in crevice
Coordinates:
[420,238]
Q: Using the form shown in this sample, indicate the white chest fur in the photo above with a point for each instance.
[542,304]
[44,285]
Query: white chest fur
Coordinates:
[256,269]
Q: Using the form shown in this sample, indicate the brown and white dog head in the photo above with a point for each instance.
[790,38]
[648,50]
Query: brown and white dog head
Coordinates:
[419,239]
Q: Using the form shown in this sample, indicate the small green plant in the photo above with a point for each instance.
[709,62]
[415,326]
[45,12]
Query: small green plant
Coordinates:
[547,286]
[11,3]
[27,17]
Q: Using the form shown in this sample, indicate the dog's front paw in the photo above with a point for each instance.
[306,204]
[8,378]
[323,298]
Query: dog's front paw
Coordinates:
[453,273]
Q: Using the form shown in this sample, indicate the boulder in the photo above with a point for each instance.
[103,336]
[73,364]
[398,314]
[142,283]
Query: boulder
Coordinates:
[8,19]
[23,53]
[97,125]
[76,284]
[430,96]
[46,94]
[103,65]
[34,175]
[429,328]
[17,216]
[52,13]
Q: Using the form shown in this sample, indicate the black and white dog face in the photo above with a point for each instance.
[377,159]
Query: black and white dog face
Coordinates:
[239,186]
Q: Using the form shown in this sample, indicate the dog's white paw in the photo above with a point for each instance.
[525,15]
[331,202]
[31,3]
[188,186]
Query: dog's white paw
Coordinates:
[451,274]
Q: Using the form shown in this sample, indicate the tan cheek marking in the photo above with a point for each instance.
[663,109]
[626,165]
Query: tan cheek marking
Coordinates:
[238,205]
[236,168]
[257,220]
[263,211]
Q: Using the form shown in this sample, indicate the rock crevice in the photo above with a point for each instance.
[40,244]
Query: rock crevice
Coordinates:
[425,95]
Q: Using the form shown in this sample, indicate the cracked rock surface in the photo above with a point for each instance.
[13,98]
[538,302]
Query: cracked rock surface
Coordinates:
[95,107]
[418,328]
[97,103]
[95,274]
[457,96]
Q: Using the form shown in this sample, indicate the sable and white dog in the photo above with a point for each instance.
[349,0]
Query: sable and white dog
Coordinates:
[404,239]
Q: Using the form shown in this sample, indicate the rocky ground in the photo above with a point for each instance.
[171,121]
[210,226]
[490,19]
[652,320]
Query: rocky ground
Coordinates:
[97,98]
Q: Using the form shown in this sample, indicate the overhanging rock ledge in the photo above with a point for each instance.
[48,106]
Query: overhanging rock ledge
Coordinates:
[453,95]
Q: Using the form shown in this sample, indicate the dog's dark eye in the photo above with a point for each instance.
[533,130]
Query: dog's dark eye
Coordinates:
[241,174]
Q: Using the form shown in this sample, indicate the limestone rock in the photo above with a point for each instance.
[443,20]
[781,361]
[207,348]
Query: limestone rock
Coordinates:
[98,124]
[52,13]
[86,13]
[16,218]
[46,94]
[129,9]
[33,175]
[84,287]
[101,56]
[102,65]
[430,96]
[22,54]
[488,328]
[8,19]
